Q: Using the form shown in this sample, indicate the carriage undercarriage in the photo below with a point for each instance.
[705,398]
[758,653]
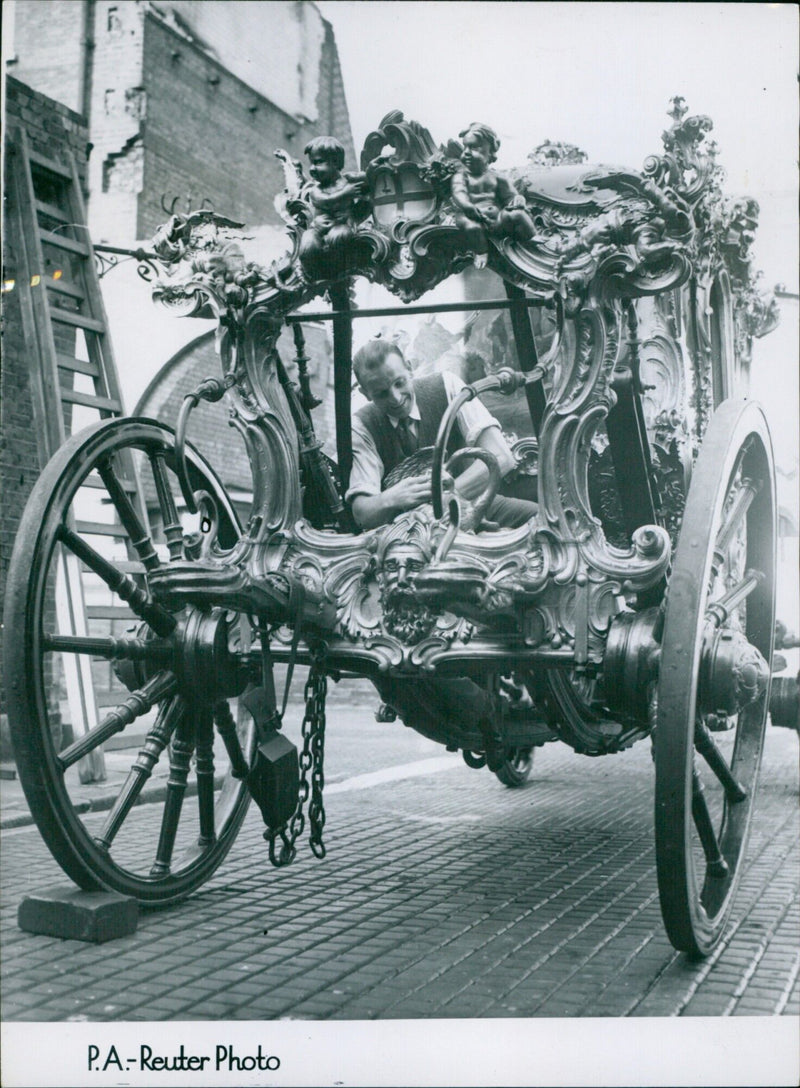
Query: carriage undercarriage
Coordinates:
[638,603]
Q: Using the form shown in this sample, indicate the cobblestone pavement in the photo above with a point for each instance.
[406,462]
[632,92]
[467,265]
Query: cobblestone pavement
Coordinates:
[443,894]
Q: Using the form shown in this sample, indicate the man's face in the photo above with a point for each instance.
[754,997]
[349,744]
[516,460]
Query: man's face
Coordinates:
[390,387]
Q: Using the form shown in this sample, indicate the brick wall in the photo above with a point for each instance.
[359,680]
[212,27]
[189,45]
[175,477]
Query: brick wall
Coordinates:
[117,116]
[210,137]
[51,128]
[169,120]
[50,48]
[242,35]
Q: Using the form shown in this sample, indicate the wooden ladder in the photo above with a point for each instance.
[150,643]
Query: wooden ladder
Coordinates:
[73,383]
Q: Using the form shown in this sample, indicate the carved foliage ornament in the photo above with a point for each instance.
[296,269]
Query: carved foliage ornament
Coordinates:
[406,222]
[397,596]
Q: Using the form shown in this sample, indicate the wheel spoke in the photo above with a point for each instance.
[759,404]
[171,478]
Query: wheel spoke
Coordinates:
[227,730]
[113,649]
[156,741]
[180,754]
[162,621]
[139,536]
[205,776]
[138,703]
[720,610]
[717,865]
[739,507]
[708,749]
[171,526]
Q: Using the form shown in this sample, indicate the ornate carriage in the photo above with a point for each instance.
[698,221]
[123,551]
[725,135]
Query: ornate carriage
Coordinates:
[638,602]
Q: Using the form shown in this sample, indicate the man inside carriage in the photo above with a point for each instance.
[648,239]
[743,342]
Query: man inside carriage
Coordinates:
[393,433]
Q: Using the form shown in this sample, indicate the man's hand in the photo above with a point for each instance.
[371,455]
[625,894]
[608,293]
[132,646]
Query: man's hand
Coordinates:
[370,511]
[408,493]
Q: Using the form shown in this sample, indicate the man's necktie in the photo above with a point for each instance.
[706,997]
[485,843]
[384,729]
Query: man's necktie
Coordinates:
[406,438]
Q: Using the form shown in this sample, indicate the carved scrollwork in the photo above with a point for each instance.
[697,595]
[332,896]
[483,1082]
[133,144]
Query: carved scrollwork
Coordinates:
[594,239]
[689,164]
[611,231]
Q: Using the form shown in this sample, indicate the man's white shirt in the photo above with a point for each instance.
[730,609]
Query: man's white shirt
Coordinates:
[472,421]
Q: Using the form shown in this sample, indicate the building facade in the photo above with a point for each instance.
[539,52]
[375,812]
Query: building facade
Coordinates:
[54,130]
[185,100]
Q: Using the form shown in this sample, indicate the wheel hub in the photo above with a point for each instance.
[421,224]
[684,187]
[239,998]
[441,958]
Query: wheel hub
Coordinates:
[199,653]
[733,673]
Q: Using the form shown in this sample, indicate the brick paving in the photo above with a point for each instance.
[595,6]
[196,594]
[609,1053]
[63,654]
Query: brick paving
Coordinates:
[442,895]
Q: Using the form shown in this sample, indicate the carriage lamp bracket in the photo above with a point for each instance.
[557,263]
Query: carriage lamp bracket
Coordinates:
[212,390]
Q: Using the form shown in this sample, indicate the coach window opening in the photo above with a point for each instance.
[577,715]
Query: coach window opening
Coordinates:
[721,339]
[342,316]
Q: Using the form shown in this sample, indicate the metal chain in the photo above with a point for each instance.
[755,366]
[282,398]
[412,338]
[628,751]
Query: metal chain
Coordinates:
[316,810]
[311,759]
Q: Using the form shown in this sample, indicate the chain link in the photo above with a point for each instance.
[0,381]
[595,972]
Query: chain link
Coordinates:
[311,760]
[316,810]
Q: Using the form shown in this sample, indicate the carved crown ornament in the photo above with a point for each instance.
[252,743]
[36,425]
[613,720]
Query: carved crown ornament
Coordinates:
[588,242]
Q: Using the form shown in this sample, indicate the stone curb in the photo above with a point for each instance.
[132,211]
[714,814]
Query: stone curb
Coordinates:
[154,795]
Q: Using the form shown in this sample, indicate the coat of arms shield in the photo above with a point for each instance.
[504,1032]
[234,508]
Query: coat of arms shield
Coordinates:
[400,193]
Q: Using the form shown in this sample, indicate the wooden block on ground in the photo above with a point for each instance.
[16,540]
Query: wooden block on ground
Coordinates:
[66,911]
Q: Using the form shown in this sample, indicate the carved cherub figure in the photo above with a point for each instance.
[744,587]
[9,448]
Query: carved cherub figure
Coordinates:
[487,202]
[338,201]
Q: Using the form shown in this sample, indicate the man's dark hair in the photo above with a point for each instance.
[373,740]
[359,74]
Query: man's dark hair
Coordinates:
[373,355]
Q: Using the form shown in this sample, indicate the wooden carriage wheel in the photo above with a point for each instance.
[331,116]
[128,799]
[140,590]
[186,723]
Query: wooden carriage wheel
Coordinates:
[85,555]
[713,688]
